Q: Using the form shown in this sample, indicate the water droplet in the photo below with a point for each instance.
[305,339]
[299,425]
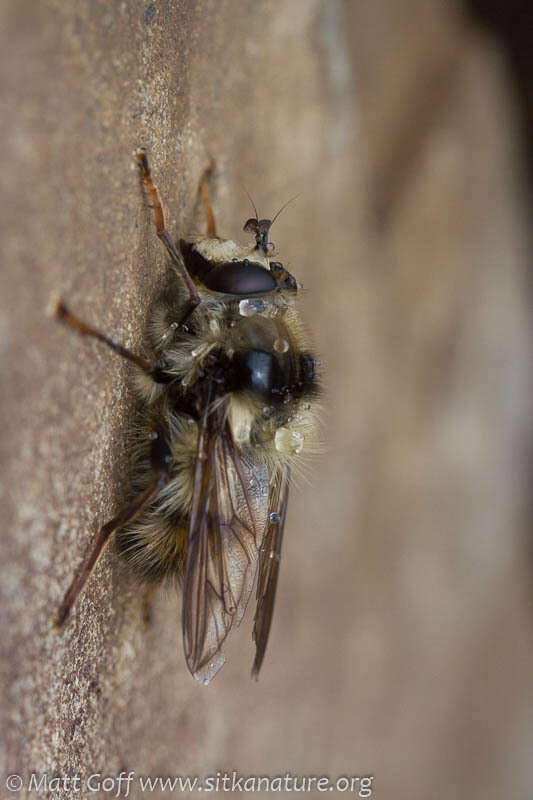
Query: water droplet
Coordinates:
[274,517]
[205,681]
[287,397]
[297,441]
[173,325]
[247,308]
[267,410]
[152,435]
[287,441]
[281,345]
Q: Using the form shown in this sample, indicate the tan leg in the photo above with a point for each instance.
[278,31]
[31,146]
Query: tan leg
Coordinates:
[126,516]
[148,604]
[61,312]
[159,220]
[210,217]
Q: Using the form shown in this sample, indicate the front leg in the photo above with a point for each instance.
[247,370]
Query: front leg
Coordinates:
[159,220]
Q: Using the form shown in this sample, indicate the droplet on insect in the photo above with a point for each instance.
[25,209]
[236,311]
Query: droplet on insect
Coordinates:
[247,308]
[287,441]
[281,345]
[297,441]
[274,517]
[152,435]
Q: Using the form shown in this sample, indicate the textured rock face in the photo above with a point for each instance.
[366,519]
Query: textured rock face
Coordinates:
[402,645]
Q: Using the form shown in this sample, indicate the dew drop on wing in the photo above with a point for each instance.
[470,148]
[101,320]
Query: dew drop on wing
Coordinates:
[207,673]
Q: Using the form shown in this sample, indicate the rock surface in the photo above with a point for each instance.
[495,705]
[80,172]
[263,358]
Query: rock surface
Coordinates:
[401,646]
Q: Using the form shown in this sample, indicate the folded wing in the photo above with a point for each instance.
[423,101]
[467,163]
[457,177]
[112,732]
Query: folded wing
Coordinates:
[227,527]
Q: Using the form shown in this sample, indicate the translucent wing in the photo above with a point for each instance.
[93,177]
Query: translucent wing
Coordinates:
[228,521]
[269,560]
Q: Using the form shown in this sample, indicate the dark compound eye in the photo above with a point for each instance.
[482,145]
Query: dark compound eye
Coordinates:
[239,277]
[285,278]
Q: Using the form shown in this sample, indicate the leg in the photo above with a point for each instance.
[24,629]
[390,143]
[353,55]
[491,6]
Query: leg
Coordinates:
[147,604]
[159,219]
[126,516]
[155,369]
[210,217]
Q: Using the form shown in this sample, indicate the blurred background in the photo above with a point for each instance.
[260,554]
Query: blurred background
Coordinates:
[402,641]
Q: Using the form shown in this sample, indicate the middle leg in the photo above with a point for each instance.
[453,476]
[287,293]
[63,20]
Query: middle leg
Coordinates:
[156,369]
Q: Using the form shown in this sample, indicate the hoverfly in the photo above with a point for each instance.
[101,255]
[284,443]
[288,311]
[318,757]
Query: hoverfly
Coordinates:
[227,406]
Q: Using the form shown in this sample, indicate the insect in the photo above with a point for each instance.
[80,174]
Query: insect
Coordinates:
[227,406]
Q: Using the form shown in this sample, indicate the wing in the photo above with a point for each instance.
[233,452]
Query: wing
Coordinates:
[269,560]
[228,522]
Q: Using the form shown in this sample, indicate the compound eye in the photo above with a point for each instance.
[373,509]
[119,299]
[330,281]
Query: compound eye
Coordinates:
[250,225]
[239,277]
